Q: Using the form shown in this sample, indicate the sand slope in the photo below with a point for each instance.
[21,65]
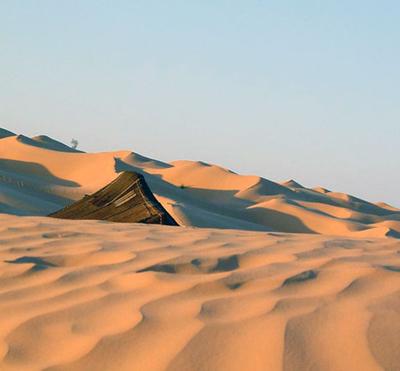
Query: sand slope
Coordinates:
[101,296]
[40,175]
[91,295]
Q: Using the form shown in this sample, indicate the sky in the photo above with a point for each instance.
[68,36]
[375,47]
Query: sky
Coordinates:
[282,89]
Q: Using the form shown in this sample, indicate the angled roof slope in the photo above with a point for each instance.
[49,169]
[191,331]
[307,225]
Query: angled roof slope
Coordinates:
[127,199]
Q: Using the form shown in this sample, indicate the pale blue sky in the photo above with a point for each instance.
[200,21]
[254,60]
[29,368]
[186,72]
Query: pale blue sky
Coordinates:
[283,89]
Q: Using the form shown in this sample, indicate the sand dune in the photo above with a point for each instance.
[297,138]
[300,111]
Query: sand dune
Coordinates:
[95,295]
[43,141]
[4,133]
[90,295]
[40,175]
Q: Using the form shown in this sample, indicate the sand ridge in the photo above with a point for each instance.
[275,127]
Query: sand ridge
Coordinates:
[40,175]
[90,295]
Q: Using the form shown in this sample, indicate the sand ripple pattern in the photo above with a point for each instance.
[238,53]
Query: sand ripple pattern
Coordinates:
[100,296]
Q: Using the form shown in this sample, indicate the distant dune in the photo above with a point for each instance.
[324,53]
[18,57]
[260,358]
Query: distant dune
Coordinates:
[4,133]
[39,175]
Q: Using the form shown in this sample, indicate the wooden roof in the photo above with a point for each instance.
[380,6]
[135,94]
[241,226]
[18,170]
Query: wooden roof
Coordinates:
[127,199]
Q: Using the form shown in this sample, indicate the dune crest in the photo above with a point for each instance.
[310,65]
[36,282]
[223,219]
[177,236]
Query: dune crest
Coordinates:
[4,133]
[291,183]
[41,175]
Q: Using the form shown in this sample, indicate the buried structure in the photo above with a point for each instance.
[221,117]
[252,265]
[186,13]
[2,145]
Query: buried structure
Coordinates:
[127,199]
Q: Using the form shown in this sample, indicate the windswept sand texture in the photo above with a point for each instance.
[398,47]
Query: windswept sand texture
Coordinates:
[40,175]
[90,295]
[95,295]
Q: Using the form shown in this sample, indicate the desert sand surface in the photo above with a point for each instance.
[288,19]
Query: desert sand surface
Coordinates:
[279,277]
[40,175]
[91,295]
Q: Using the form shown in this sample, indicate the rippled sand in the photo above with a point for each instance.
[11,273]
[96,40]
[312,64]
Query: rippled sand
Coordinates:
[87,295]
